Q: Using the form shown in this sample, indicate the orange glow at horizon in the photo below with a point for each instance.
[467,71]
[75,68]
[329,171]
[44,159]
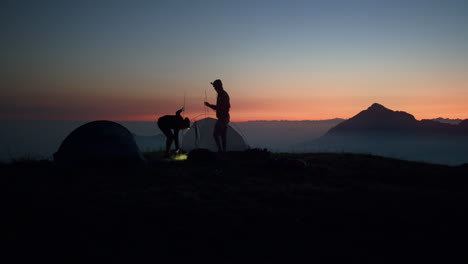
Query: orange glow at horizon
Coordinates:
[242,109]
[250,100]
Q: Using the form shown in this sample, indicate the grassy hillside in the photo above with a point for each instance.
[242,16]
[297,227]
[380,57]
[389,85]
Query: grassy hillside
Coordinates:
[341,207]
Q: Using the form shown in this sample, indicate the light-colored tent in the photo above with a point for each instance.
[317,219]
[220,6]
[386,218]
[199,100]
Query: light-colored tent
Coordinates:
[99,142]
[200,135]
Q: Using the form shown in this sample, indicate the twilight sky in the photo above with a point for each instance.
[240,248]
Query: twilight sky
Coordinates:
[290,60]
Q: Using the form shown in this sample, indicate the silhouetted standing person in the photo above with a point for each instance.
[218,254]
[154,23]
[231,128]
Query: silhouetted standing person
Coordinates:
[222,113]
[170,126]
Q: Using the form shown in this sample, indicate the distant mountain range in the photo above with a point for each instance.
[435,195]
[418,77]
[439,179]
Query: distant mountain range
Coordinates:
[375,130]
[448,121]
[381,131]
[283,136]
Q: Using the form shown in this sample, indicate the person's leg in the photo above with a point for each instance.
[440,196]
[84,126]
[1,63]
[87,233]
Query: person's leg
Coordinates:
[221,131]
[223,137]
[168,144]
[224,132]
[169,138]
[216,134]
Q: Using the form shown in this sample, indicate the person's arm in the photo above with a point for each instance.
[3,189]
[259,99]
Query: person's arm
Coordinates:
[210,106]
[180,111]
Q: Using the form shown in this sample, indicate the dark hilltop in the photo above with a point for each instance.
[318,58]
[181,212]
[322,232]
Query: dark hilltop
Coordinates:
[254,207]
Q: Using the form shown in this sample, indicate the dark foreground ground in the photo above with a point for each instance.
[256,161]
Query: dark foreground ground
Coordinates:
[341,208]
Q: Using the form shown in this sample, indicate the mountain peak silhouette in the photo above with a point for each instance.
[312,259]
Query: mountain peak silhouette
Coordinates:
[377,117]
[380,114]
[377,107]
[381,131]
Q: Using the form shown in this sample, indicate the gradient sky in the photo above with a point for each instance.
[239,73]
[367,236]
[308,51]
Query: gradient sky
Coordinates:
[289,60]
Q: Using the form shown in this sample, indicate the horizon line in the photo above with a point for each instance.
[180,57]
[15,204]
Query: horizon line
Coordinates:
[237,121]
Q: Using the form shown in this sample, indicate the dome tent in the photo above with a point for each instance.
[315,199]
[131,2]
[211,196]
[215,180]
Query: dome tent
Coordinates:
[200,135]
[99,143]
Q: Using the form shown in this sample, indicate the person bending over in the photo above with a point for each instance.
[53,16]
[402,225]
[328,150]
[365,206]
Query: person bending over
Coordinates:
[170,126]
